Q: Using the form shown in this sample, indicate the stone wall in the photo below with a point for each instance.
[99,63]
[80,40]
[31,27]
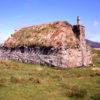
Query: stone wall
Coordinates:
[66,57]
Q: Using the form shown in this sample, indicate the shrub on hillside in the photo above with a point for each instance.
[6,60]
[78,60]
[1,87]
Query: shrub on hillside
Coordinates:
[74,91]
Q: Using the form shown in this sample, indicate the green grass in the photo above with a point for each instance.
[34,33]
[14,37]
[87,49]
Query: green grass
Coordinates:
[96,57]
[19,81]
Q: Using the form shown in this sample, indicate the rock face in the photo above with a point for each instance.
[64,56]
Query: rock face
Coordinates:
[55,44]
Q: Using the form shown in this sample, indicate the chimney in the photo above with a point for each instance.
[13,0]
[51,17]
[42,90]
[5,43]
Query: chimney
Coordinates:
[78,20]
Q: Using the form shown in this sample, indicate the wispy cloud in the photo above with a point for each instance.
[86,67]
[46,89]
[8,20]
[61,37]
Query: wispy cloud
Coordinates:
[96,23]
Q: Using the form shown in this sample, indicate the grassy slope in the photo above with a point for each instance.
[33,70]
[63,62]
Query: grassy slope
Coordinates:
[96,56]
[19,81]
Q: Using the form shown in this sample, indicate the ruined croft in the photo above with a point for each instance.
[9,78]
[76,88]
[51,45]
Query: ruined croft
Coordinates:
[55,44]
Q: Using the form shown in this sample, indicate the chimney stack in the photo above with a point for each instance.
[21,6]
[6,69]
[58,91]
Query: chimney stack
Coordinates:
[78,20]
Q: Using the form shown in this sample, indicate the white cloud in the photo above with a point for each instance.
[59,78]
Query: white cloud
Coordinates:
[95,23]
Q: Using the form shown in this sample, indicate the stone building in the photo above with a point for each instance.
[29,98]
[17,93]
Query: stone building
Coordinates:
[55,44]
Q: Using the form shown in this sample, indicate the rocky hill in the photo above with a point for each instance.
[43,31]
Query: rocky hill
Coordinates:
[56,44]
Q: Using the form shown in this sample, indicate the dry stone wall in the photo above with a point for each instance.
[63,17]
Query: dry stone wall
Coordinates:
[70,57]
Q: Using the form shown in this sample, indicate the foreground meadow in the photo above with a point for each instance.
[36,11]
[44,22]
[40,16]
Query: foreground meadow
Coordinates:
[19,81]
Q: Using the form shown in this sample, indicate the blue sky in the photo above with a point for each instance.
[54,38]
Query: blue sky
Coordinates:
[15,14]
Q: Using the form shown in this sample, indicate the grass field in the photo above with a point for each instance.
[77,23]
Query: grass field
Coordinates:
[96,56]
[19,81]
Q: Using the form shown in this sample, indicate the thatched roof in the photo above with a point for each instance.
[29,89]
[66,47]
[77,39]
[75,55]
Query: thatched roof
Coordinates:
[51,34]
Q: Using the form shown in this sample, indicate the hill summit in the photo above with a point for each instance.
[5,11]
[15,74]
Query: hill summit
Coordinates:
[56,44]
